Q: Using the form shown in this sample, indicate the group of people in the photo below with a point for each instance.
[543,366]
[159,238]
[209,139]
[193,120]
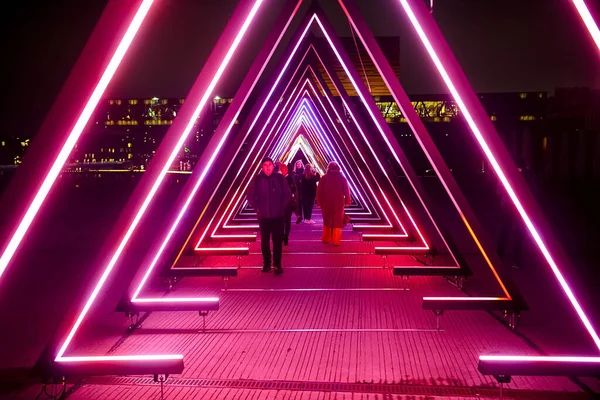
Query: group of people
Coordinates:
[276,194]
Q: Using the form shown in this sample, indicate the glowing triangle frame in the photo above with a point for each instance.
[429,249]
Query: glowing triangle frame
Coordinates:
[298,97]
[484,132]
[417,16]
[312,130]
[201,91]
[253,165]
[300,143]
[350,137]
[331,125]
[350,73]
[261,150]
[311,105]
[293,125]
[309,99]
[248,172]
[328,122]
[286,103]
[252,168]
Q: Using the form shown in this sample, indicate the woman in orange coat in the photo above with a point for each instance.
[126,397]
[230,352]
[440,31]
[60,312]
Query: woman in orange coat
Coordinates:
[333,194]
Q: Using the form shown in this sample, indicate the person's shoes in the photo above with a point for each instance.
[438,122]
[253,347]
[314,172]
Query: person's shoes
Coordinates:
[266,268]
[298,220]
[285,241]
[278,270]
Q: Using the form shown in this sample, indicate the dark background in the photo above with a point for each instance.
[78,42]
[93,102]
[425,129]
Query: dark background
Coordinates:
[503,46]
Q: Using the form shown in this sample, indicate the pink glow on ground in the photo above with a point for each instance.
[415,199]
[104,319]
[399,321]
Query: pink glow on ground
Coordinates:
[465,298]
[201,249]
[156,357]
[235,236]
[565,359]
[383,235]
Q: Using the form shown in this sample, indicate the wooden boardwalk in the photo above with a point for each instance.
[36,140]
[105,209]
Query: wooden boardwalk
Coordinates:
[335,325]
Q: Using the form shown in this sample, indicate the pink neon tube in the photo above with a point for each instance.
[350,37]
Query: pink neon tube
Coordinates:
[589,22]
[370,147]
[565,359]
[309,99]
[67,148]
[350,153]
[382,193]
[259,113]
[500,173]
[249,18]
[340,119]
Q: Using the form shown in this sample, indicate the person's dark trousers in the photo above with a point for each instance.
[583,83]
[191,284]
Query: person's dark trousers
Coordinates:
[307,205]
[271,228]
[287,226]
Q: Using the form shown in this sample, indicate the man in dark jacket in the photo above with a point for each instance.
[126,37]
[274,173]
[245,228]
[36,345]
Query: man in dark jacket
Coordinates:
[269,194]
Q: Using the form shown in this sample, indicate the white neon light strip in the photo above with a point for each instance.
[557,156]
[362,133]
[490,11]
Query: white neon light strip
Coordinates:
[224,249]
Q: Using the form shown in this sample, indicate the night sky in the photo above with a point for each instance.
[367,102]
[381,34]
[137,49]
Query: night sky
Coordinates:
[503,46]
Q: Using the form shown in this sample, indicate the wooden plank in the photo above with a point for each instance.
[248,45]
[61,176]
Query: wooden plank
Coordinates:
[270,330]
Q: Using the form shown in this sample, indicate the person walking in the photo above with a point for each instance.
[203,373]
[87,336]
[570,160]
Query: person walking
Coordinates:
[297,174]
[333,194]
[269,194]
[287,217]
[308,192]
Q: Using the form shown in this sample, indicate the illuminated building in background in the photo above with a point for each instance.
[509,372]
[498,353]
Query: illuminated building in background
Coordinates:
[125,133]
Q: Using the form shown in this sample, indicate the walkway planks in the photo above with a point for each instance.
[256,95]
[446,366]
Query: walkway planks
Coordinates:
[329,319]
